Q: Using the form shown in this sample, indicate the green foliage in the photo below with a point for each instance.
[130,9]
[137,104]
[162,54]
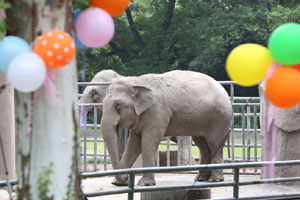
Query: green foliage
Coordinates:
[44,182]
[3,6]
[82,4]
[199,36]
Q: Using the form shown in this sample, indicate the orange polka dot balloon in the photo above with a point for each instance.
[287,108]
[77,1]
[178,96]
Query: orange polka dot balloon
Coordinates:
[56,48]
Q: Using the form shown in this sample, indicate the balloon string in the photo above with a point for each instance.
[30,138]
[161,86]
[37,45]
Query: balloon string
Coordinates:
[51,92]
[274,65]
[30,116]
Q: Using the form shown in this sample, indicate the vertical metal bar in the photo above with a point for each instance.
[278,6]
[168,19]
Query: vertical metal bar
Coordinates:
[95,138]
[255,135]
[168,151]
[190,148]
[243,129]
[232,122]
[248,134]
[157,157]
[236,183]
[178,150]
[105,158]
[131,186]
[105,150]
[85,145]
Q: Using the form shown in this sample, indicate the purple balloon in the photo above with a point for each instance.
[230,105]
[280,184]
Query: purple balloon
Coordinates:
[95,27]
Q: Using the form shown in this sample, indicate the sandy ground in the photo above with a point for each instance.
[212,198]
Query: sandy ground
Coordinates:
[102,184]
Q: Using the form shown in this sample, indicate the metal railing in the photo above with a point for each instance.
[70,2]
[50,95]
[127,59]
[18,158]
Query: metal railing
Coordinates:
[249,112]
[236,183]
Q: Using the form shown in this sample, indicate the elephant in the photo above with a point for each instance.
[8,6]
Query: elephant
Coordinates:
[95,94]
[175,103]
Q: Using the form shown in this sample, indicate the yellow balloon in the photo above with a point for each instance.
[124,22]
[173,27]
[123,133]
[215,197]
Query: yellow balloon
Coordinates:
[247,64]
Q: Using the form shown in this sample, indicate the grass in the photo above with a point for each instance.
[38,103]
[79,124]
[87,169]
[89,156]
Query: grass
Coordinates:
[238,151]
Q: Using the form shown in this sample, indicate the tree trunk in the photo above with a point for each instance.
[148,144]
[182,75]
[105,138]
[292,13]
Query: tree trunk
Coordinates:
[47,156]
[7,125]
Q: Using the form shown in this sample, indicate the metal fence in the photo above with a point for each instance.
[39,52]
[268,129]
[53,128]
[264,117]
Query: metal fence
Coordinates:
[244,144]
[236,183]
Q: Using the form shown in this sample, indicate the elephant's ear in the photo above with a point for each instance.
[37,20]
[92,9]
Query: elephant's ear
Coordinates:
[143,99]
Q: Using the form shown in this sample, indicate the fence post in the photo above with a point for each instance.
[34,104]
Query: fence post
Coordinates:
[95,138]
[131,186]
[236,181]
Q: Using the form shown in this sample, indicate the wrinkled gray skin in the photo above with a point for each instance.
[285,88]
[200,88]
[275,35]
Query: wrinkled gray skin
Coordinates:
[156,105]
[95,94]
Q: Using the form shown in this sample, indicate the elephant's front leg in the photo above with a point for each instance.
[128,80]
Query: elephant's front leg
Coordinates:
[132,151]
[150,144]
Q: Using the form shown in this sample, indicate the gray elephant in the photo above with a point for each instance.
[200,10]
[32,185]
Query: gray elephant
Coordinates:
[95,94]
[171,104]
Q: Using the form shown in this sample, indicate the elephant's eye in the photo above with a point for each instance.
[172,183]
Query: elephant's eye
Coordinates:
[118,106]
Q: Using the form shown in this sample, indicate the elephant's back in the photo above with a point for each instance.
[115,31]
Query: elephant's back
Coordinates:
[193,95]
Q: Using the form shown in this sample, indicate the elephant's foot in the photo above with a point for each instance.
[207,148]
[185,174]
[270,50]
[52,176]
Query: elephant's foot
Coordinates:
[216,176]
[146,181]
[203,175]
[122,180]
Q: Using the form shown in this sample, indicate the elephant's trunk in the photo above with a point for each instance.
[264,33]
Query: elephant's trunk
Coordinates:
[110,138]
[109,124]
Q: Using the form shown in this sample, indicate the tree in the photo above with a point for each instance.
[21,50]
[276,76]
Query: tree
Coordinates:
[47,157]
[7,125]
[155,36]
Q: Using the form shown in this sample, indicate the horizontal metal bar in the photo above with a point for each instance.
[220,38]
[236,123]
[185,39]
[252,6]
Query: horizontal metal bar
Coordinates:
[282,196]
[227,82]
[110,192]
[274,180]
[90,104]
[12,182]
[93,83]
[90,125]
[189,168]
[245,104]
[177,187]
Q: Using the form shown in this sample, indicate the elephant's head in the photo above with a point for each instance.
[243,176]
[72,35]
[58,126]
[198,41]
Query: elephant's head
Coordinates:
[95,94]
[126,100]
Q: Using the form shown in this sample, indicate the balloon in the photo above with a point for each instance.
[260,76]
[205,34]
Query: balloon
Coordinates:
[247,64]
[56,48]
[78,43]
[113,7]
[297,66]
[283,88]
[284,44]
[27,72]
[10,47]
[95,27]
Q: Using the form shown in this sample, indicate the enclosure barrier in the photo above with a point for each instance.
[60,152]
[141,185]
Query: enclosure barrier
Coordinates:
[248,115]
[235,183]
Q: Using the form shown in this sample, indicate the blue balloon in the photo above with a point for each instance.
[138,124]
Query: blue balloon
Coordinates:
[10,47]
[78,43]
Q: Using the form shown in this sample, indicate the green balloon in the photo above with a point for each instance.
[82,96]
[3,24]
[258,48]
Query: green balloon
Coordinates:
[284,44]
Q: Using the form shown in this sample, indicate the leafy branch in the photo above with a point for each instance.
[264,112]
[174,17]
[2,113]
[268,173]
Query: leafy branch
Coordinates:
[3,7]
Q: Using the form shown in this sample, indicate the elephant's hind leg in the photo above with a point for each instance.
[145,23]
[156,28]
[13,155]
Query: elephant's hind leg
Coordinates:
[206,158]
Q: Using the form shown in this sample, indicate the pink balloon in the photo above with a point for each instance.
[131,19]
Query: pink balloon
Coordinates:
[95,27]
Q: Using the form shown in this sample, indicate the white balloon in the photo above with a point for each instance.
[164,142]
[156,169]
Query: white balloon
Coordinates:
[27,72]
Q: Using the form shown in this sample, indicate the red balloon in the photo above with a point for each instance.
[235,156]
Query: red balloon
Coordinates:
[297,66]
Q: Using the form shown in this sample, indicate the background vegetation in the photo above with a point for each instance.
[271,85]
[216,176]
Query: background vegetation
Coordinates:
[155,36]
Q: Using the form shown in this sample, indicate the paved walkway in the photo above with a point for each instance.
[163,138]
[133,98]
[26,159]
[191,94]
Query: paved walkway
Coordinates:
[98,184]
[101,184]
